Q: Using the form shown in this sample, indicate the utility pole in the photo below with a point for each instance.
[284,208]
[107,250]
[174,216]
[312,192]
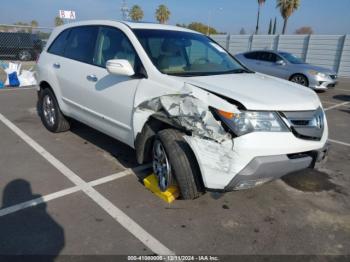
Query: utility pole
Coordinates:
[125,11]
[210,13]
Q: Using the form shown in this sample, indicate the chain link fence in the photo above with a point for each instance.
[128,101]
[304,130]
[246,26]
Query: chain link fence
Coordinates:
[21,44]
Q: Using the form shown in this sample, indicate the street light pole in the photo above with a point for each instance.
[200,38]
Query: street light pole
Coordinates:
[209,17]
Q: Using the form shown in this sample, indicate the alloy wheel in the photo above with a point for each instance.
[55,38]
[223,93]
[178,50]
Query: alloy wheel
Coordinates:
[299,79]
[49,110]
[161,166]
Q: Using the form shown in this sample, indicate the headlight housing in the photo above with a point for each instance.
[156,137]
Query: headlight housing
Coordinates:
[316,73]
[253,121]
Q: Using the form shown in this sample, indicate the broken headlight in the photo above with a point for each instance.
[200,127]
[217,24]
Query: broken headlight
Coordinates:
[248,121]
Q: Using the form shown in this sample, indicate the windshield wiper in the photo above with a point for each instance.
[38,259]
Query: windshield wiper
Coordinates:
[239,71]
[234,71]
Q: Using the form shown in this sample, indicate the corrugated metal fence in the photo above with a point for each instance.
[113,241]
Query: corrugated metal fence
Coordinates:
[331,51]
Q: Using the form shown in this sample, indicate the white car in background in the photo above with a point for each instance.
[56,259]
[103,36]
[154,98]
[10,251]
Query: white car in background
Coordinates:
[182,102]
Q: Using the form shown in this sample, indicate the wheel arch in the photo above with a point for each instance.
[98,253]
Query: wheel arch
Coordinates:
[144,139]
[43,85]
[302,74]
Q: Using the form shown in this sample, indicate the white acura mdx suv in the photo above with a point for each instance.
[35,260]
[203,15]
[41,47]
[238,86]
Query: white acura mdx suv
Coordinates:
[182,102]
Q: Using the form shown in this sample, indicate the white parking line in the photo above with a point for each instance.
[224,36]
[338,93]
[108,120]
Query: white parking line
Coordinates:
[147,239]
[339,142]
[335,106]
[347,90]
[68,191]
[17,88]
[37,201]
[329,102]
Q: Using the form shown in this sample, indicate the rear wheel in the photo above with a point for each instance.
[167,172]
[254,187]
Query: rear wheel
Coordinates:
[175,163]
[50,113]
[300,79]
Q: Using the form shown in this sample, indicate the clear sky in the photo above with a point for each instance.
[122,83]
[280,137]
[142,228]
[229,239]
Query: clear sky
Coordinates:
[324,16]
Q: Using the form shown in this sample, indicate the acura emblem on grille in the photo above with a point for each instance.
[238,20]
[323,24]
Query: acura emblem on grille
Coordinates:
[306,124]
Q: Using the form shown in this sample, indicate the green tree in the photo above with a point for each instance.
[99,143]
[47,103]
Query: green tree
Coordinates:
[287,8]
[58,21]
[274,27]
[162,14]
[242,31]
[200,27]
[270,27]
[136,13]
[260,4]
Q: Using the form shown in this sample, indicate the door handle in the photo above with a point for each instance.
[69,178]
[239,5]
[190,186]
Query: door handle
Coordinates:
[56,65]
[92,78]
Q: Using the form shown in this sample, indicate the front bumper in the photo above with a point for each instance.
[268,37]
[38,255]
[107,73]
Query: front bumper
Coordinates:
[258,156]
[263,169]
[323,83]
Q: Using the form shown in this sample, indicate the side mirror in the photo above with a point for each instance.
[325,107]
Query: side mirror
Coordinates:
[280,62]
[120,67]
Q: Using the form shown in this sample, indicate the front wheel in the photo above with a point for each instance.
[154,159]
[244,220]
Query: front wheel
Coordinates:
[300,79]
[175,163]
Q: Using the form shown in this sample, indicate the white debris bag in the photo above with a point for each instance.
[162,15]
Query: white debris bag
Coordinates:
[26,78]
[13,67]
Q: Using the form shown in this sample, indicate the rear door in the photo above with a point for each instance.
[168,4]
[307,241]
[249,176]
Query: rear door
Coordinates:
[94,96]
[251,60]
[72,66]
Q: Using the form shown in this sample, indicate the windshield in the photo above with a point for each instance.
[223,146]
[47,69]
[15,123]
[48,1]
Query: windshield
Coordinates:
[292,58]
[186,54]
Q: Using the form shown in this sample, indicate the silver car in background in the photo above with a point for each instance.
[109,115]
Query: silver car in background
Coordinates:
[287,66]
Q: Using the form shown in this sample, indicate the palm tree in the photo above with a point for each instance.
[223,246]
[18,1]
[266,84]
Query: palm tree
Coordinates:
[287,7]
[162,14]
[136,13]
[260,3]
[58,21]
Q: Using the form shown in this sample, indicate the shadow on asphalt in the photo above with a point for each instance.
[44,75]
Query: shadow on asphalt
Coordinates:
[122,152]
[31,231]
[345,98]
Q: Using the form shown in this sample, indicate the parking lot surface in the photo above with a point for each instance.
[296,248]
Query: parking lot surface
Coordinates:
[80,193]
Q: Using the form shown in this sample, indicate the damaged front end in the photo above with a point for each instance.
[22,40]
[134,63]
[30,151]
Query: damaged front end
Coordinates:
[193,111]
[235,149]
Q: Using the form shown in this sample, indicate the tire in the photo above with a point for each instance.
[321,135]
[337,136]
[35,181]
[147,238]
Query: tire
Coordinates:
[300,79]
[24,55]
[183,164]
[50,113]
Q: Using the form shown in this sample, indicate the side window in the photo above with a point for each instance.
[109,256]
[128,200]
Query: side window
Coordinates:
[273,58]
[58,45]
[81,44]
[268,57]
[252,55]
[112,43]
[265,56]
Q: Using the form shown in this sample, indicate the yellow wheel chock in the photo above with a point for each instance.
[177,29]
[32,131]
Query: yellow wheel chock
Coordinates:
[151,183]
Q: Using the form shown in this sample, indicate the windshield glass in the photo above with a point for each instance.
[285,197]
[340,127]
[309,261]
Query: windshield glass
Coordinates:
[292,58]
[186,54]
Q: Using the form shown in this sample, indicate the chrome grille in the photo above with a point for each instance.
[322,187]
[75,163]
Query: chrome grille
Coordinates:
[307,125]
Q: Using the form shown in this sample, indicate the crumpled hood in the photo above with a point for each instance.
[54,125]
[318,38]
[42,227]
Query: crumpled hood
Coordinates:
[259,92]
